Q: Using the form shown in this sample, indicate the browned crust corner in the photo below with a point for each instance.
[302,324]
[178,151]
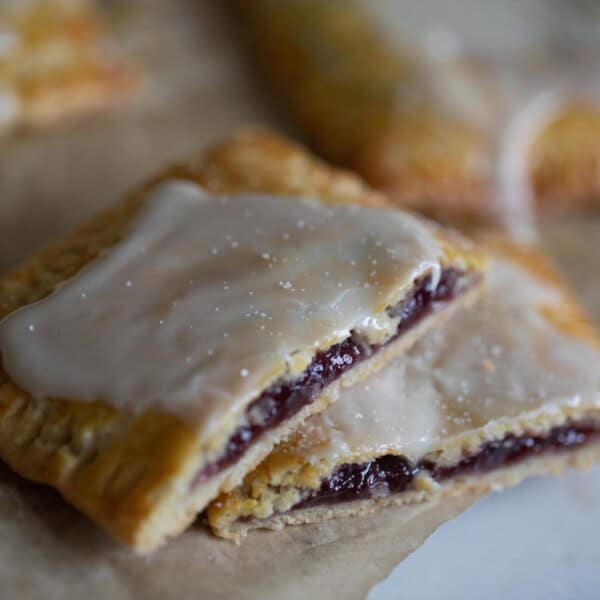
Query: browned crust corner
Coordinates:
[570,316]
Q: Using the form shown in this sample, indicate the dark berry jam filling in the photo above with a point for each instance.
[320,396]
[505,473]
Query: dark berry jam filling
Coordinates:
[391,474]
[284,399]
[512,449]
[381,477]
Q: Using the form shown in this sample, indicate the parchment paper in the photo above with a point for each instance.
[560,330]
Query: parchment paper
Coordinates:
[196,89]
[48,551]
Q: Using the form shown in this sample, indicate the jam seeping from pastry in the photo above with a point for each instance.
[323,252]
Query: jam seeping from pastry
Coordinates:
[283,400]
[392,474]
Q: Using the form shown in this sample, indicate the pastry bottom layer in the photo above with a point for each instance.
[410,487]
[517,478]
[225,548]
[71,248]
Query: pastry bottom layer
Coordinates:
[392,474]
[284,399]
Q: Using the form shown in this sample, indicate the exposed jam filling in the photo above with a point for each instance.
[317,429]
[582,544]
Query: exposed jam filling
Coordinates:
[284,399]
[392,474]
[381,477]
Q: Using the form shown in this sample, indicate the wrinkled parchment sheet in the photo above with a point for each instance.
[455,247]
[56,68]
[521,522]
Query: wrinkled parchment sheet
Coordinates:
[50,552]
[196,90]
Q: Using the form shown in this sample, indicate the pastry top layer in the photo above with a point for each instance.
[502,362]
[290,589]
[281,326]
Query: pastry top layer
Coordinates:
[208,299]
[521,358]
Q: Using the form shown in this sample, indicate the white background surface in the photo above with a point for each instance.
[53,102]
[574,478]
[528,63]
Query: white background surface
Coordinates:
[540,540]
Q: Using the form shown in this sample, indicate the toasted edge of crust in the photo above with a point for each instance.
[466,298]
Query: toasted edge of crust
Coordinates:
[429,163]
[570,317]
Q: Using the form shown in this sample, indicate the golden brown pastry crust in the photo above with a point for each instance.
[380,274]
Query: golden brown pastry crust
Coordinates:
[571,317]
[364,106]
[132,473]
[58,64]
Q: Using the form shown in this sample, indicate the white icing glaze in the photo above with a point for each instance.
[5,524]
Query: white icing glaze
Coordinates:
[498,361]
[208,299]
